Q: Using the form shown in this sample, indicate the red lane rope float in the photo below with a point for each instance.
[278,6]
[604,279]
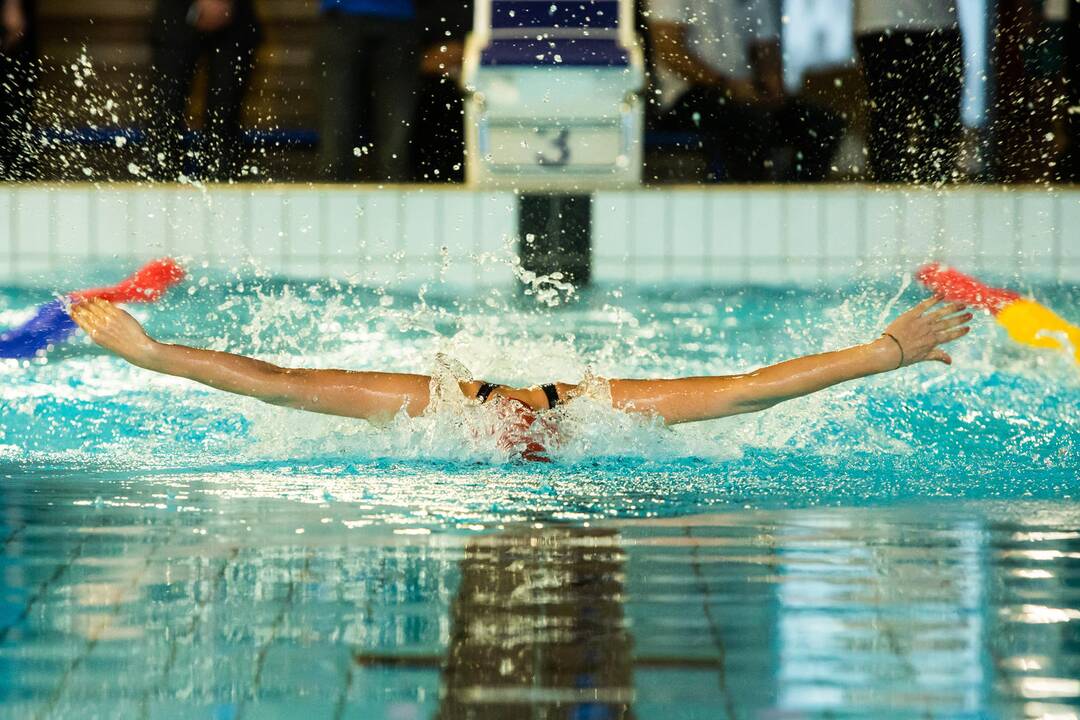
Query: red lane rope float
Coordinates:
[147,284]
[1027,321]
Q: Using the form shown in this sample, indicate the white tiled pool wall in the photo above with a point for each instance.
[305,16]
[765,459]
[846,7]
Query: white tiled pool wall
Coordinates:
[410,235]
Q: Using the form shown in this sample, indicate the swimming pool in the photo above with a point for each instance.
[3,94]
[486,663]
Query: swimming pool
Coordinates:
[902,546]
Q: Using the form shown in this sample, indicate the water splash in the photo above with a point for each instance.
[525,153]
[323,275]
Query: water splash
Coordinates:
[1002,421]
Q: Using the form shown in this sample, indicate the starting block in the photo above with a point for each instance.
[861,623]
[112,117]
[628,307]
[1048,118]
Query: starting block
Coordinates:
[553,95]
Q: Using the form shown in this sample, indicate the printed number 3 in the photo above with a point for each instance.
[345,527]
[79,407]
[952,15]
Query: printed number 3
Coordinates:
[561,144]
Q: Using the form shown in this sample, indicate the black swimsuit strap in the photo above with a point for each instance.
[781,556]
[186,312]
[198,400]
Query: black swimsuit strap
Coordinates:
[552,394]
[484,391]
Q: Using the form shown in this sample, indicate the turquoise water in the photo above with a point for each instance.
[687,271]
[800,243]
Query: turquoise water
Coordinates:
[902,546]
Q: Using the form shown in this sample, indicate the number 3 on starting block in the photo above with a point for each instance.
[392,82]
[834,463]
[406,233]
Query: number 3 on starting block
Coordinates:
[553,95]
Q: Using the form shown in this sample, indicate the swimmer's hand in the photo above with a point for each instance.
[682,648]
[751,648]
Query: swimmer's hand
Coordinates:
[916,335]
[115,330]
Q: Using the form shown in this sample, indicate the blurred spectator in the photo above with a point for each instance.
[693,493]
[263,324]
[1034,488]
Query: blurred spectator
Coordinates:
[1071,171]
[719,71]
[227,33]
[438,145]
[18,72]
[912,58]
[368,73]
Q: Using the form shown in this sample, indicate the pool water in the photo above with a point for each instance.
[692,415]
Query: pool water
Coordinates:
[902,546]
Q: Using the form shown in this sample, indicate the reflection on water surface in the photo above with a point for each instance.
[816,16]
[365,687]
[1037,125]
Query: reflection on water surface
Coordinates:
[156,602]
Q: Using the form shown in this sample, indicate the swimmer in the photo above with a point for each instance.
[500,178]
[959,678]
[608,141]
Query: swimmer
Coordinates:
[913,337]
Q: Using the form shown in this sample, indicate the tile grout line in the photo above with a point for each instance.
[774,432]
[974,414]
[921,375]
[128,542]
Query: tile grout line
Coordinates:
[323,205]
[275,627]
[399,231]
[193,624]
[285,234]
[744,237]
[669,235]
[52,228]
[92,229]
[478,220]
[823,232]
[14,212]
[360,211]
[708,222]
[440,233]
[43,589]
[12,536]
[129,225]
[1018,243]
[980,230]
[1059,239]
[95,638]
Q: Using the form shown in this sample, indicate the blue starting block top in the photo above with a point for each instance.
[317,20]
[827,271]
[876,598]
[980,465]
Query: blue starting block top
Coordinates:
[554,32]
[561,14]
[561,52]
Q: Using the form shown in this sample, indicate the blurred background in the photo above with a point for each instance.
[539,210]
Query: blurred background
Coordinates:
[930,91]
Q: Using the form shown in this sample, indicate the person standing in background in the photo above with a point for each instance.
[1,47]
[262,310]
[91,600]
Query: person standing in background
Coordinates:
[227,33]
[438,147]
[369,77]
[912,58]
[18,75]
[719,72]
[1071,171]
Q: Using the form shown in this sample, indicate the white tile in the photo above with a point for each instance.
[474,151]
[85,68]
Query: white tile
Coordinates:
[7,224]
[1037,232]
[610,269]
[730,233]
[379,225]
[765,220]
[998,215]
[460,276]
[109,233]
[229,218]
[881,223]
[804,223]
[767,273]
[803,274]
[301,214]
[961,222]
[922,223]
[36,270]
[149,222]
[340,229]
[187,223]
[72,222]
[422,226]
[647,232]
[1069,228]
[611,215]
[839,271]
[33,234]
[304,269]
[459,225]
[649,270]
[268,224]
[496,223]
[496,274]
[422,271]
[728,271]
[685,219]
[841,225]
[688,269]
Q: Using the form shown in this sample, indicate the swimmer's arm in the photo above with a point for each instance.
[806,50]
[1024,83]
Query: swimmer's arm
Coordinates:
[918,331]
[368,395]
